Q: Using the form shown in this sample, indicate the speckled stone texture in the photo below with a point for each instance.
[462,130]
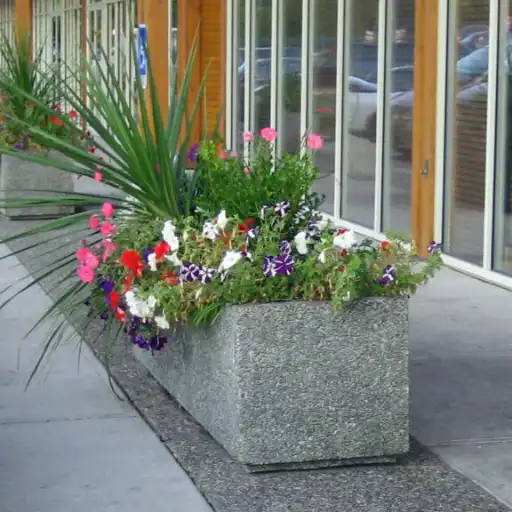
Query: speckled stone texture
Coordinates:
[19,177]
[295,382]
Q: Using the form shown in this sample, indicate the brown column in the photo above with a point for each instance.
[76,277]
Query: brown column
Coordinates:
[155,14]
[23,16]
[204,22]
[424,132]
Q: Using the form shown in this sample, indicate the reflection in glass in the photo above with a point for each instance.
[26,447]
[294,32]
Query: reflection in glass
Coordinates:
[290,77]
[239,85]
[399,120]
[360,121]
[503,192]
[262,64]
[323,101]
[466,138]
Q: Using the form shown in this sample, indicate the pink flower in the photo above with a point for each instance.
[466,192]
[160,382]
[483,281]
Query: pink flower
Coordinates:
[247,171]
[85,274]
[108,248]
[91,260]
[315,142]
[268,134]
[107,228]
[223,155]
[248,136]
[83,253]
[234,154]
[94,222]
[98,176]
[107,210]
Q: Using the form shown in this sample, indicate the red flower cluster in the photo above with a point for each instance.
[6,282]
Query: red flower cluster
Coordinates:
[132,261]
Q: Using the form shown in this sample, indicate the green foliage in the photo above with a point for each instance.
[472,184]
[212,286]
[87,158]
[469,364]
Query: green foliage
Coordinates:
[243,186]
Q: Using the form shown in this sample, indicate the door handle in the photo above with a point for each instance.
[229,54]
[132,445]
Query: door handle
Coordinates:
[424,169]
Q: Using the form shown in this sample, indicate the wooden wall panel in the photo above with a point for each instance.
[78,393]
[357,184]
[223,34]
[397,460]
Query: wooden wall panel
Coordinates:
[424,131]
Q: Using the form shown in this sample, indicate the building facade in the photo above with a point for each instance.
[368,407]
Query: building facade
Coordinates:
[413,99]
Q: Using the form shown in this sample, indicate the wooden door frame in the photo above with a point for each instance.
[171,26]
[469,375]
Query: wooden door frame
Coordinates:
[424,124]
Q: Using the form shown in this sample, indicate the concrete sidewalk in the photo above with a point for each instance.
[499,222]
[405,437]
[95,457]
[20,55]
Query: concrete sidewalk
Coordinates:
[68,444]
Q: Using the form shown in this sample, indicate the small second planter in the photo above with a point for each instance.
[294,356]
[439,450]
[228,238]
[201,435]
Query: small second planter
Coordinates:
[295,384]
[19,177]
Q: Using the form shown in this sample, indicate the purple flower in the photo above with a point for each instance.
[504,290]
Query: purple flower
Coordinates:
[388,275]
[205,275]
[268,266]
[104,315]
[18,147]
[434,246]
[193,153]
[157,342]
[108,286]
[285,247]
[283,265]
[280,265]
[139,340]
[146,254]
[282,208]
[189,272]
[2,127]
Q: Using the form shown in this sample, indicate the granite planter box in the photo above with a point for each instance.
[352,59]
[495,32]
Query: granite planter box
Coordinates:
[294,384]
[18,177]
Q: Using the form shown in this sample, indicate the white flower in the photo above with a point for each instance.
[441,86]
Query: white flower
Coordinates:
[162,322]
[322,224]
[152,262]
[300,242]
[198,293]
[210,231]
[169,235]
[405,246]
[152,301]
[344,240]
[321,257]
[222,220]
[231,258]
[174,260]
[140,308]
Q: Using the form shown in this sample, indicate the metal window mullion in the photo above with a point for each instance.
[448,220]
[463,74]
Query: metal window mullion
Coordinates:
[250,43]
[274,62]
[342,121]
[385,150]
[306,91]
[341,87]
[492,112]
[276,81]
[382,60]
[443,45]
[231,48]
[502,135]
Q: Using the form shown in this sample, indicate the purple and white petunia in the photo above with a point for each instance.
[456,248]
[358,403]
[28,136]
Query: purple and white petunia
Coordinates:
[285,247]
[282,208]
[205,275]
[388,275]
[278,265]
[433,247]
[189,272]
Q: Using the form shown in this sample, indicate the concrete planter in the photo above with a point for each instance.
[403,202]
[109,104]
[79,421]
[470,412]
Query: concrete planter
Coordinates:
[18,177]
[295,384]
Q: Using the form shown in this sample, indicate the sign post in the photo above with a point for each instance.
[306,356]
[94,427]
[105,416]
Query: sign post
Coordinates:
[143,61]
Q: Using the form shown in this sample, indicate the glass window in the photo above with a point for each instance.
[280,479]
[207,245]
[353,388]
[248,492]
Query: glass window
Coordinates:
[289,76]
[239,85]
[398,124]
[466,136]
[263,56]
[503,192]
[323,95]
[360,114]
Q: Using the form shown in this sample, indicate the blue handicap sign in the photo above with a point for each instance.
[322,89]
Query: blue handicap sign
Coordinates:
[143,61]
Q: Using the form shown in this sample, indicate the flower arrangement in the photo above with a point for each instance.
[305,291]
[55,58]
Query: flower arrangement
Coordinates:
[153,274]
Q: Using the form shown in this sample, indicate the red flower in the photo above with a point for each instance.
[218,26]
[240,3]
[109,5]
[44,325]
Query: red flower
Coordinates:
[92,150]
[341,269]
[161,250]
[170,278]
[57,121]
[120,315]
[127,283]
[344,252]
[73,114]
[341,231]
[385,245]
[246,226]
[132,261]
[114,300]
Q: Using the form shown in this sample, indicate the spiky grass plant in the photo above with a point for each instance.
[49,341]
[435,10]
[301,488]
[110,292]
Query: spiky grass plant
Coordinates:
[145,161]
